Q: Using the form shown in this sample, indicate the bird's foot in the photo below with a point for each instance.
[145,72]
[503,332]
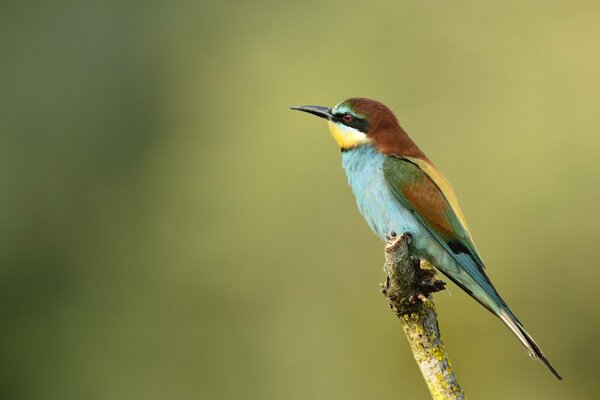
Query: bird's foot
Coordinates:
[394,240]
[413,280]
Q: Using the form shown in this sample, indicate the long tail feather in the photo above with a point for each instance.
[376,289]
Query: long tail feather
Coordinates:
[526,340]
[475,282]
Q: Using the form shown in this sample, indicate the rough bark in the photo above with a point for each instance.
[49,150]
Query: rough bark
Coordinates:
[408,288]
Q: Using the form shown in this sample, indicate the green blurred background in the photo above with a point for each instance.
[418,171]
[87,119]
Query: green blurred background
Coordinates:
[169,229]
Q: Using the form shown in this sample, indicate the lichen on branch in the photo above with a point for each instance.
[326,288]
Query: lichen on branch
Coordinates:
[408,288]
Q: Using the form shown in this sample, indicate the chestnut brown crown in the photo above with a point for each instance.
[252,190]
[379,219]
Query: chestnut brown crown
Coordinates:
[379,124]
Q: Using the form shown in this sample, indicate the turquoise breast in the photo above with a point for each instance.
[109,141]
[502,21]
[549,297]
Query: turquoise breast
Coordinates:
[383,213]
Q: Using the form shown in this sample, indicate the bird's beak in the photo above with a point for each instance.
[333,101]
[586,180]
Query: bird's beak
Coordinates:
[323,112]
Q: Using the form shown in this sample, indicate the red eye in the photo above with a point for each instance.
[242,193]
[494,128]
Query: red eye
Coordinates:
[347,118]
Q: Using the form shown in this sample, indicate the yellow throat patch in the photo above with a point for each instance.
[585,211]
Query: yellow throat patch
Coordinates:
[346,137]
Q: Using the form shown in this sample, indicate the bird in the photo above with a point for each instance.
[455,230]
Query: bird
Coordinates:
[399,190]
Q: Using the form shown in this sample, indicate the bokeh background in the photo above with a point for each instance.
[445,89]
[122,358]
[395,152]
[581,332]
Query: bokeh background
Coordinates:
[169,229]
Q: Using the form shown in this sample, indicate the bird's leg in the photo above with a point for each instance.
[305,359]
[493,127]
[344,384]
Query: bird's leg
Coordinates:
[419,279]
[394,240]
[390,236]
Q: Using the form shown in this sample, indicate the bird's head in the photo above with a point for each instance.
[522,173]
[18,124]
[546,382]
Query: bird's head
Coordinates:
[359,121]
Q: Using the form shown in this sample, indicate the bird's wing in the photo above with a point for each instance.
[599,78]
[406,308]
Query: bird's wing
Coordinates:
[421,188]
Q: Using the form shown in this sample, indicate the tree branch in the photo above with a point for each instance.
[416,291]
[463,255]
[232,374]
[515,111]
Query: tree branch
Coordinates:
[408,288]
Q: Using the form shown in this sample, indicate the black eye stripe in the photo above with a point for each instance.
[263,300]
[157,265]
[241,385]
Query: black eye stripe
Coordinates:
[357,123]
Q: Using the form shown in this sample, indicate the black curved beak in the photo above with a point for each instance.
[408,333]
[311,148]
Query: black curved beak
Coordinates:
[323,112]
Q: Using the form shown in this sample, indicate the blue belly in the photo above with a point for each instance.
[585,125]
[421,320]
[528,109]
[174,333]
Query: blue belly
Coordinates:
[384,214]
[381,210]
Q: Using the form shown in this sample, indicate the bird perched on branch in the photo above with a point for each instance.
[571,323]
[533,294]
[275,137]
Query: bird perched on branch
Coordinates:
[398,190]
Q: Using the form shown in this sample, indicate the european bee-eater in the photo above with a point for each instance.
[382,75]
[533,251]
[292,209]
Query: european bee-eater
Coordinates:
[398,190]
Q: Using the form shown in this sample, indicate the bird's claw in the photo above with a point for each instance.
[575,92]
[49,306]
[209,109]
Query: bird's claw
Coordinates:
[394,240]
[391,235]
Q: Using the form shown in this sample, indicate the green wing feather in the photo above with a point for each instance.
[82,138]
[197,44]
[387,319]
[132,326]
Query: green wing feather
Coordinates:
[423,190]
[418,192]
